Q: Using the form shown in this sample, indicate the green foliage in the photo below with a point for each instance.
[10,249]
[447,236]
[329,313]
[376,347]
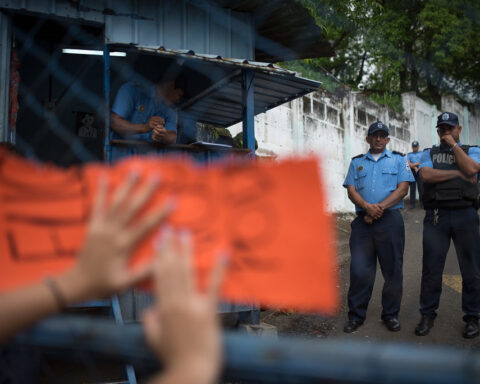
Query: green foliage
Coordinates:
[391,100]
[309,71]
[239,140]
[427,46]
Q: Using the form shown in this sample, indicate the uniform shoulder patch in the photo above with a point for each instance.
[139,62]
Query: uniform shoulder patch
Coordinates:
[356,157]
[398,153]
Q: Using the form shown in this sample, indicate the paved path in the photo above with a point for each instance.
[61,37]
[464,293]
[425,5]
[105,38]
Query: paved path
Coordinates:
[448,325]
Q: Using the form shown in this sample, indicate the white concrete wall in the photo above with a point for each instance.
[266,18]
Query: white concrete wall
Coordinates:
[423,119]
[333,128]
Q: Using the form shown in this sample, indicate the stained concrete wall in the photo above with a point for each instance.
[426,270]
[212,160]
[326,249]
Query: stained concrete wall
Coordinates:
[423,119]
[333,128]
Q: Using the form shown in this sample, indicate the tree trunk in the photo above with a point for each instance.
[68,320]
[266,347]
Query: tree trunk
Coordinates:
[360,72]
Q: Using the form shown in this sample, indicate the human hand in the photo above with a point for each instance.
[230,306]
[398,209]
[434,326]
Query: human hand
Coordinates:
[368,219]
[448,140]
[159,133]
[374,210]
[101,267]
[153,122]
[469,179]
[182,328]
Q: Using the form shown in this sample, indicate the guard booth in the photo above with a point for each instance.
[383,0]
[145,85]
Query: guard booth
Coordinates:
[63,62]
[218,91]
[63,111]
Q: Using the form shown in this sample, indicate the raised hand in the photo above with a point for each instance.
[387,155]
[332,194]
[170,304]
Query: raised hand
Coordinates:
[182,328]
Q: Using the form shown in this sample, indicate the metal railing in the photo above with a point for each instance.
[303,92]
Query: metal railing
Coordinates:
[267,360]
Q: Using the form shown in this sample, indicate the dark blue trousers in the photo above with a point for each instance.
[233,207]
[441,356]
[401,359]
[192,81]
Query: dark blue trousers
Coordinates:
[461,225]
[383,240]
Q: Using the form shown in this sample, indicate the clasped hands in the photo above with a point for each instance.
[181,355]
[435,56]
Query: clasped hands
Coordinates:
[374,212]
[156,125]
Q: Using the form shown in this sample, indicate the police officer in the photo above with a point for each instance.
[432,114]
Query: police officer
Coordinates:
[146,112]
[377,183]
[413,159]
[450,197]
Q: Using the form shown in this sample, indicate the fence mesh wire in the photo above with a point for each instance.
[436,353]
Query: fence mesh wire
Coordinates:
[58,112]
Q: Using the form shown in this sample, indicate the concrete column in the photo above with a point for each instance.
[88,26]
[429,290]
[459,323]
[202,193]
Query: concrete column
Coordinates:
[297,124]
[465,127]
[435,139]
[348,138]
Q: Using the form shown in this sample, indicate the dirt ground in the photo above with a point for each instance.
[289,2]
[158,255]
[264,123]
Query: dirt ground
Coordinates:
[448,325]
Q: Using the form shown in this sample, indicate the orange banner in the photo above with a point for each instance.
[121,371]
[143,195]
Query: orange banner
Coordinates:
[271,216]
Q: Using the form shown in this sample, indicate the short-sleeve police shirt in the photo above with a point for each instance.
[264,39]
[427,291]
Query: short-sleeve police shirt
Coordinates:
[414,157]
[137,106]
[375,180]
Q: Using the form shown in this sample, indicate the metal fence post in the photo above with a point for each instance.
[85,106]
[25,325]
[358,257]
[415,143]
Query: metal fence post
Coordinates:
[107,151]
[248,103]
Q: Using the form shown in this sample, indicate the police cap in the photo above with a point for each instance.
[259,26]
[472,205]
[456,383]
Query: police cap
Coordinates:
[447,118]
[378,126]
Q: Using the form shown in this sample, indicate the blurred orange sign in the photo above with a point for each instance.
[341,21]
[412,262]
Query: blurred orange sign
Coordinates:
[271,216]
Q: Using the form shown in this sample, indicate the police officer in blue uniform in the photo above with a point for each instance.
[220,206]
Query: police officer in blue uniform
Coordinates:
[450,198]
[376,183]
[413,159]
[146,112]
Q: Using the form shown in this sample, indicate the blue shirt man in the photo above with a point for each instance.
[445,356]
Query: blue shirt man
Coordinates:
[375,180]
[145,113]
[414,162]
[414,157]
[450,175]
[376,183]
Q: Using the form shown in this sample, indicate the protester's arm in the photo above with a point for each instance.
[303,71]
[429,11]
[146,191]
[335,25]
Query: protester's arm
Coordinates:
[467,165]
[101,267]
[182,328]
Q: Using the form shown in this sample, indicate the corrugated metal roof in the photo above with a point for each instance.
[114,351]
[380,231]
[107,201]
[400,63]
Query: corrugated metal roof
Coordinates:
[218,101]
[285,30]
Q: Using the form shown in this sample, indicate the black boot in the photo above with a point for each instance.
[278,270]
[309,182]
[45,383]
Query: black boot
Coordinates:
[392,324]
[426,323]
[352,326]
[471,329]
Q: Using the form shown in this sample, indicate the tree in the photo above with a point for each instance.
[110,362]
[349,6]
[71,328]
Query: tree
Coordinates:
[427,46]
